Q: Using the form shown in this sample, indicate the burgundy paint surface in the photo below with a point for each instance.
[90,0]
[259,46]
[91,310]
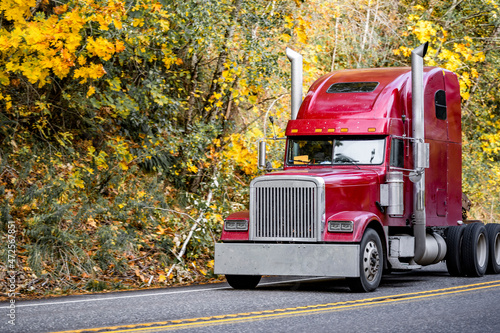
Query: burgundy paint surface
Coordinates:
[352,193]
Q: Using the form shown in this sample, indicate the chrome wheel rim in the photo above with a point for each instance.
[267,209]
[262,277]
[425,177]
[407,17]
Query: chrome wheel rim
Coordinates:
[496,248]
[371,261]
[482,250]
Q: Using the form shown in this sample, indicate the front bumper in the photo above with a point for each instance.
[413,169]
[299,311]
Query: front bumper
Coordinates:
[332,260]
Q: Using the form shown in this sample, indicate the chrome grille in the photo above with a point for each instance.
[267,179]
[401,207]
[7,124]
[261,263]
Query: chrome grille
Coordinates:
[285,209]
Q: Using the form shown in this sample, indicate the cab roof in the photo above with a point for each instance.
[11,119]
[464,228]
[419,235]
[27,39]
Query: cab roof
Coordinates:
[373,101]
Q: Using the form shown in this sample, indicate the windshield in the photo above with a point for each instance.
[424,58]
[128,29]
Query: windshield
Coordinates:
[335,151]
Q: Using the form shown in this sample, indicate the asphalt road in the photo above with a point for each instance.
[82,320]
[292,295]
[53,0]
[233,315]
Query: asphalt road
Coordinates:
[427,300]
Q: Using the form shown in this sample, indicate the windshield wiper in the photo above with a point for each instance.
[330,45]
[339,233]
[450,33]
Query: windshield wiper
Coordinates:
[341,158]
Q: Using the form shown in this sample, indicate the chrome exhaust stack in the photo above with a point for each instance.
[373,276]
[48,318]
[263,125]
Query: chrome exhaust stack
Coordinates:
[418,132]
[296,60]
[429,249]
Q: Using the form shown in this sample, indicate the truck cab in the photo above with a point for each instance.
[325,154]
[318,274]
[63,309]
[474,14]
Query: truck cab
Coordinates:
[368,183]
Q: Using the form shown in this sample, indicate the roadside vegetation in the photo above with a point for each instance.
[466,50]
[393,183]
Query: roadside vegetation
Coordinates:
[128,127]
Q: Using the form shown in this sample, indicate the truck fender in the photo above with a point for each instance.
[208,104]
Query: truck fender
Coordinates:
[360,219]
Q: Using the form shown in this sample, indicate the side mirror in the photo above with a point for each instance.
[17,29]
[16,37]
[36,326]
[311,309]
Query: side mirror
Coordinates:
[262,154]
[421,155]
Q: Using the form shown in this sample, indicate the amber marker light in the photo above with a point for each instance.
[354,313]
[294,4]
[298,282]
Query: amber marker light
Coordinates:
[318,130]
[331,130]
[344,130]
[371,129]
[295,130]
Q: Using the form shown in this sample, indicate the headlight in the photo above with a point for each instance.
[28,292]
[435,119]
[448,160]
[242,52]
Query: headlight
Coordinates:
[236,225]
[340,226]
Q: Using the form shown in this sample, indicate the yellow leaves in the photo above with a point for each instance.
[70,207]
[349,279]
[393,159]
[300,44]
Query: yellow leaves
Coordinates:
[252,99]
[101,47]
[75,180]
[464,89]
[300,30]
[169,59]
[33,70]
[424,31]
[192,168]
[459,57]
[48,44]
[111,13]
[114,84]
[91,91]
[453,62]
[285,37]
[480,57]
[413,17]
[123,165]
[491,141]
[165,26]
[474,73]
[91,222]
[237,152]
[119,46]
[122,153]
[94,71]
[217,95]
[156,7]
[138,22]
[300,25]
[403,50]
[101,160]
[5,42]
[60,9]
[17,10]
[4,79]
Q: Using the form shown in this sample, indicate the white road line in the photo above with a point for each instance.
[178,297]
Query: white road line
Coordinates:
[146,295]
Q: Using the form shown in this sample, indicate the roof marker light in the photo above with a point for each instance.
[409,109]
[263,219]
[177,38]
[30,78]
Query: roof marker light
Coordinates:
[344,130]
[318,130]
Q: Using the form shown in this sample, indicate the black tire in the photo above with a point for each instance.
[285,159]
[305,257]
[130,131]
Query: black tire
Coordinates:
[243,281]
[475,250]
[493,231]
[454,236]
[370,263]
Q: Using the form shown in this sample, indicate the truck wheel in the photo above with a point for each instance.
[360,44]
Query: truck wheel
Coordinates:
[370,263]
[475,250]
[243,281]
[454,236]
[493,231]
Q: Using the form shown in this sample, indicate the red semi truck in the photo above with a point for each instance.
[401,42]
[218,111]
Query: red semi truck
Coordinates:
[372,182]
